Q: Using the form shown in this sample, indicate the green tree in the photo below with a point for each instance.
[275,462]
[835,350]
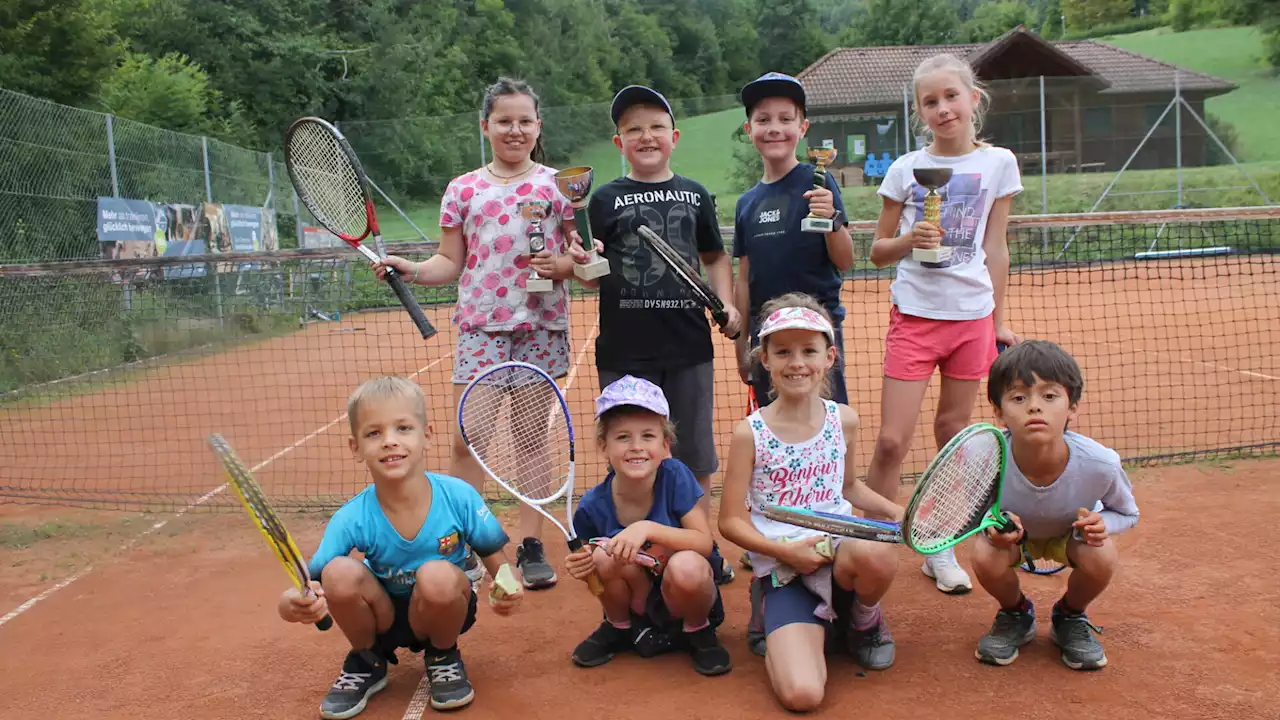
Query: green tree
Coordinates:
[789,34]
[57,49]
[173,93]
[991,20]
[1085,14]
[904,22]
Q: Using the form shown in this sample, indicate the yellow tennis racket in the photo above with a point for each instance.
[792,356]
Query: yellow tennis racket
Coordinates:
[265,518]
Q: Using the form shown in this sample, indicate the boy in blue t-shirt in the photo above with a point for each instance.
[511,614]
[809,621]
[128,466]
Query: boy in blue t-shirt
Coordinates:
[413,528]
[775,256]
[647,508]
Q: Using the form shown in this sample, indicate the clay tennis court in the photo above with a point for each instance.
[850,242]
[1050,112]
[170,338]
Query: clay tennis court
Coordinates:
[181,620]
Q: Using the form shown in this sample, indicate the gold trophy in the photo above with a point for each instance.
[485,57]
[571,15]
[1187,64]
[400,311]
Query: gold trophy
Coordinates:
[575,184]
[932,178]
[535,211]
[822,157]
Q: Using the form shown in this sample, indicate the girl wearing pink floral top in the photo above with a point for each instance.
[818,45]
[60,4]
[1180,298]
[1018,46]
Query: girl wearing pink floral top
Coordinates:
[484,246]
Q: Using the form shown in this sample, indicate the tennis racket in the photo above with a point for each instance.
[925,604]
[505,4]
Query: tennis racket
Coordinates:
[1042,566]
[752,404]
[332,184]
[957,495]
[702,292]
[265,519]
[515,422]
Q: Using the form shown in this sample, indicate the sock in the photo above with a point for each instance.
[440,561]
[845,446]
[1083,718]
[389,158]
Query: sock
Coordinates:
[1061,608]
[695,628]
[624,625]
[1023,604]
[863,616]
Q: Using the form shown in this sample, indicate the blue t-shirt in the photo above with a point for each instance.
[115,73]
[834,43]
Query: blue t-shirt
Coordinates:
[458,517]
[784,258]
[675,493]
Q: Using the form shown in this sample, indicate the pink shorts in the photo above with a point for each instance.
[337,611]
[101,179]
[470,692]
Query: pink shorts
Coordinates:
[477,349]
[961,349]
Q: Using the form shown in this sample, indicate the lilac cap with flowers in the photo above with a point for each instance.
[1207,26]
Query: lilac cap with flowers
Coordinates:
[797,318]
[630,390]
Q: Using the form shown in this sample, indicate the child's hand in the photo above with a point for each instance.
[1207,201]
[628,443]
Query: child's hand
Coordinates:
[299,608]
[506,604]
[1090,526]
[627,543]
[577,252]
[580,564]
[802,556]
[821,202]
[925,236]
[1009,539]
[1007,336]
[543,263]
[405,267]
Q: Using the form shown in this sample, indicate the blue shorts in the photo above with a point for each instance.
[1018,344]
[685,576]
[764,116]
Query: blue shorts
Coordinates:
[794,603]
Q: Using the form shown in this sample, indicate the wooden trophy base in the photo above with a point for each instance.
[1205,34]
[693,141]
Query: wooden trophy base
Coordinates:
[592,269]
[817,224]
[931,255]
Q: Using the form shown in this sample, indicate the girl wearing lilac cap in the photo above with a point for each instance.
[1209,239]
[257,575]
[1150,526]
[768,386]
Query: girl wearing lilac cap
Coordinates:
[650,541]
[798,451]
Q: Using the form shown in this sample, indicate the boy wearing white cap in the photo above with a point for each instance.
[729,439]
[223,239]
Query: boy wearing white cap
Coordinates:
[649,539]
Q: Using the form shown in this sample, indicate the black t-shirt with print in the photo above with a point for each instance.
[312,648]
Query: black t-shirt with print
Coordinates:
[648,319]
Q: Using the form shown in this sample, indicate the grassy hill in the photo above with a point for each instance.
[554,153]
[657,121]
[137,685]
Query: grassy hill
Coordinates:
[1233,54]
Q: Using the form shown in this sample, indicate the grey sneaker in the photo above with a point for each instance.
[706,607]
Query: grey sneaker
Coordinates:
[447,676]
[472,568]
[364,673]
[1011,630]
[873,647]
[532,561]
[1074,634]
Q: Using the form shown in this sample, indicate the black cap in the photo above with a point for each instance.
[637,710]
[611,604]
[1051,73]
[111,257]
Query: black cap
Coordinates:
[772,84]
[638,95]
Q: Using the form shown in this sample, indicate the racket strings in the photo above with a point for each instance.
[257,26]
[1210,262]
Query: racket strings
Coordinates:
[257,503]
[958,492]
[678,265]
[327,180]
[515,423]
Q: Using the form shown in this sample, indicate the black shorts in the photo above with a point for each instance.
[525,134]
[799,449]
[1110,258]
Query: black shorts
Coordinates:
[400,634]
[656,608]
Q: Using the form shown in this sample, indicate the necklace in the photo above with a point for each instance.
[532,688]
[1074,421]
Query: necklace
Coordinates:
[507,178]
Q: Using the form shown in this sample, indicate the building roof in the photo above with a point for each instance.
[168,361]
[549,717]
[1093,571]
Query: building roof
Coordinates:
[875,76]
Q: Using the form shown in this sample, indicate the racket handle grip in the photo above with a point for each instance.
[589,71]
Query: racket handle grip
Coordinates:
[410,303]
[325,623]
[596,584]
[1006,524]
[722,318]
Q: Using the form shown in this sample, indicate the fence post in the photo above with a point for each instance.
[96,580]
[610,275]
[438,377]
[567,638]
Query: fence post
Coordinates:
[906,119]
[213,267]
[1177,127]
[1044,169]
[271,182]
[111,158]
[483,160]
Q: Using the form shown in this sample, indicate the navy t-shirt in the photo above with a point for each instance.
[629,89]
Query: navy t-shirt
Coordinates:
[784,258]
[675,493]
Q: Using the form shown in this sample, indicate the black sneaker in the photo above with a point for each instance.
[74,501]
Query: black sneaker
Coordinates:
[1011,630]
[601,645]
[709,656]
[1076,637]
[649,641]
[363,674]
[532,561]
[447,676]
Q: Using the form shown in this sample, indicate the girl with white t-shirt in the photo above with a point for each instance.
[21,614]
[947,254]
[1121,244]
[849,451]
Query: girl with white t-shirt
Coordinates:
[798,452]
[485,247]
[948,314]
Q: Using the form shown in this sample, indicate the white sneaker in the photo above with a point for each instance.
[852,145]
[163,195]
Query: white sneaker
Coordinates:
[947,573]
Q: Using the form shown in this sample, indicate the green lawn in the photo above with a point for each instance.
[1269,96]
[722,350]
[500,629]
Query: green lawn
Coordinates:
[1233,54]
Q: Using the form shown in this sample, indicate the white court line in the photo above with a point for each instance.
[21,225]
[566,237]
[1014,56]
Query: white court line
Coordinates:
[1192,361]
[420,701]
[197,503]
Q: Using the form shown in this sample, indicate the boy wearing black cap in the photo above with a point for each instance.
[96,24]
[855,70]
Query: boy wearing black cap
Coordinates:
[650,326]
[775,255]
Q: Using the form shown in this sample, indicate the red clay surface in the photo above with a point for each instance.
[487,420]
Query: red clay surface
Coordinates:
[1185,357]
[184,625]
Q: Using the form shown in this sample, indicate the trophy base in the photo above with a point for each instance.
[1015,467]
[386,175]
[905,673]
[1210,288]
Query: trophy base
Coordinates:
[539,285]
[931,255]
[598,267]
[817,225]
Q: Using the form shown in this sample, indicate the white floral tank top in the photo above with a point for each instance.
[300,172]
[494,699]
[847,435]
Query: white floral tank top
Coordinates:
[808,474]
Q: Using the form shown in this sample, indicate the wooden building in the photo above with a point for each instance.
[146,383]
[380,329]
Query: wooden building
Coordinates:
[1100,101]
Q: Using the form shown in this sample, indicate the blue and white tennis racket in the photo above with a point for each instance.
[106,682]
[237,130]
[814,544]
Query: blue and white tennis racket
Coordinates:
[515,422]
